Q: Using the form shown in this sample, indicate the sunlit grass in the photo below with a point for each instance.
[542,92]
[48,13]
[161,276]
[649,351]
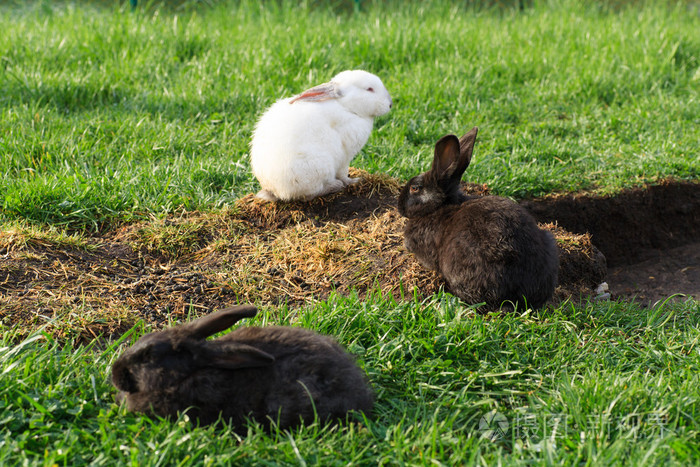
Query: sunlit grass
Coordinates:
[109,113]
[608,383]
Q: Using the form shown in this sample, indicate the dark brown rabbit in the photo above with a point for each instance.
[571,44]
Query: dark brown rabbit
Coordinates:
[280,374]
[488,249]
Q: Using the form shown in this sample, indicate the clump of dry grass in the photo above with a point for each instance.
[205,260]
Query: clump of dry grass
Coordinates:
[253,252]
[582,266]
[291,252]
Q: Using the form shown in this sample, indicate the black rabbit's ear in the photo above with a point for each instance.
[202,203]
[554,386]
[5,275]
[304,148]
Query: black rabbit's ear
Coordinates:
[446,157]
[466,148]
[234,356]
[122,377]
[219,321]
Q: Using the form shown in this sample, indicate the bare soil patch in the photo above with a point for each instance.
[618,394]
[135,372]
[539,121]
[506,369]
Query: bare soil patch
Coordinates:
[280,254]
[650,236]
[666,272]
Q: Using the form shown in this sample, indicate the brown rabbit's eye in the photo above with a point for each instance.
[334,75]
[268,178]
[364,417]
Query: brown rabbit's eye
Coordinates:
[370,89]
[414,189]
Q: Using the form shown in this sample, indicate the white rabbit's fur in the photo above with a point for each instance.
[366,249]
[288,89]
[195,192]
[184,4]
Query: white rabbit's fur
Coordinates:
[302,146]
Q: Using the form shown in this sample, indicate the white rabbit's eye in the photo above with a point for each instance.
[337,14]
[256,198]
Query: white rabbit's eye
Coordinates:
[414,189]
[370,89]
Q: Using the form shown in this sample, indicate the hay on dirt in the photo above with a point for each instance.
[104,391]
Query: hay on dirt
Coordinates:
[253,252]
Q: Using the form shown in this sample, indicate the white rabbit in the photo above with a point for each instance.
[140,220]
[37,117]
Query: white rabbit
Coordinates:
[302,146]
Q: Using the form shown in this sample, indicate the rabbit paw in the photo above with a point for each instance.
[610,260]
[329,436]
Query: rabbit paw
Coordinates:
[349,181]
[332,186]
[266,195]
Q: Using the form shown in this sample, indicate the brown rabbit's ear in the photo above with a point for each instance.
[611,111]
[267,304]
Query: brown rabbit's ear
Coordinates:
[466,148]
[446,157]
[216,322]
[234,356]
[322,92]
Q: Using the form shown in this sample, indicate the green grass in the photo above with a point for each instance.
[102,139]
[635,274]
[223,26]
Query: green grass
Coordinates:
[109,113]
[619,384]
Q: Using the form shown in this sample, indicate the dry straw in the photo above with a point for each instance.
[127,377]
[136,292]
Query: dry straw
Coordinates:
[252,252]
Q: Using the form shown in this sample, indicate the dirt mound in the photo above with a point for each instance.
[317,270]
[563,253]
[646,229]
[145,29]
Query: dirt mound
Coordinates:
[254,252]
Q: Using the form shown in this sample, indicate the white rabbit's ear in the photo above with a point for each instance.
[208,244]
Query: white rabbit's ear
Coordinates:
[322,92]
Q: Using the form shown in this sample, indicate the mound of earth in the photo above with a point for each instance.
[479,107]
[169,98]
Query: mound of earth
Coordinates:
[262,253]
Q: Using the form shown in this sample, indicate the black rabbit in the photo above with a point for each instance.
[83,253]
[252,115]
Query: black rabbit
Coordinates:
[488,249]
[280,374]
